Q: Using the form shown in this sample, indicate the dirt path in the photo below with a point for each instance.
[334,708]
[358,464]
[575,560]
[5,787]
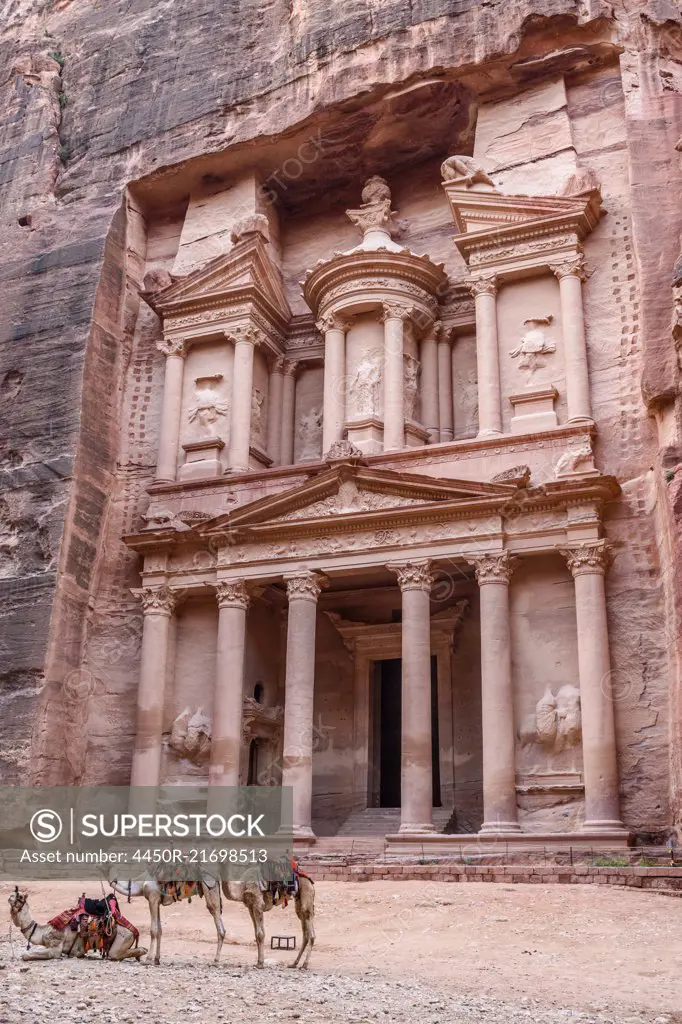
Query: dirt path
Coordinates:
[393,952]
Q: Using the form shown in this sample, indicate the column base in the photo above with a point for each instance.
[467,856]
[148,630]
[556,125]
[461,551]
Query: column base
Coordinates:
[421,829]
[587,420]
[303,834]
[500,828]
[600,825]
[488,433]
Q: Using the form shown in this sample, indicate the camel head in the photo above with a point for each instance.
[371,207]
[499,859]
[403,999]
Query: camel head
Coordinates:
[17,900]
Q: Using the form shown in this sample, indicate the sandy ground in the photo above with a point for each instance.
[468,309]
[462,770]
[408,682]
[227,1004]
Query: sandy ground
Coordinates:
[385,951]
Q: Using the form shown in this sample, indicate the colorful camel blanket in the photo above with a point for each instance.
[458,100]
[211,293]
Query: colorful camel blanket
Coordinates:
[94,909]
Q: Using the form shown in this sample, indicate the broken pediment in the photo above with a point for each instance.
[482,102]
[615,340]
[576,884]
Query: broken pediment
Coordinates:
[245,272]
[351,490]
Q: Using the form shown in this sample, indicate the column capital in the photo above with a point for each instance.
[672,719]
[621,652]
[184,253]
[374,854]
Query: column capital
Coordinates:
[277,364]
[413,575]
[246,335]
[332,322]
[172,347]
[493,568]
[573,267]
[305,585]
[290,367]
[483,285]
[593,557]
[395,311]
[157,600]
[231,594]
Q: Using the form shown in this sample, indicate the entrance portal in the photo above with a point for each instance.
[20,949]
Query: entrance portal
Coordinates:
[386,746]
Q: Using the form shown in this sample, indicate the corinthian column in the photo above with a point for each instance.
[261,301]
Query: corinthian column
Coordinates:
[228,695]
[158,605]
[416,776]
[429,382]
[394,318]
[571,276]
[275,396]
[169,431]
[588,564]
[493,573]
[303,590]
[288,409]
[445,408]
[245,342]
[484,291]
[334,328]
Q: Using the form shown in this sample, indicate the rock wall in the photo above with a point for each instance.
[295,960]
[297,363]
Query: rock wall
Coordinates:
[108,111]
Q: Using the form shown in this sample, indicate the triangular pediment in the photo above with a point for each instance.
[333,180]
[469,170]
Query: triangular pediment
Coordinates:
[487,210]
[245,268]
[354,491]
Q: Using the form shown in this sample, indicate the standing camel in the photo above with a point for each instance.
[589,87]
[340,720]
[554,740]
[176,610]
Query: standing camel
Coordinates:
[258,902]
[53,943]
[157,896]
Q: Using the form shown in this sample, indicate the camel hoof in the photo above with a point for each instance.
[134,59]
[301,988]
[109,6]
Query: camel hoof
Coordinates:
[260,967]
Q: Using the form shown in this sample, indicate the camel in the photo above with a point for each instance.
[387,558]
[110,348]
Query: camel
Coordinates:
[258,902]
[52,943]
[152,892]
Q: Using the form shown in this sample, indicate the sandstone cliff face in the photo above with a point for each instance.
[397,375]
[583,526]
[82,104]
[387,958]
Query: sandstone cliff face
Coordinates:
[97,99]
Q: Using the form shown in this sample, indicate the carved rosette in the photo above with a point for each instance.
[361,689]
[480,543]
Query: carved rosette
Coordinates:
[483,286]
[172,347]
[496,568]
[570,268]
[232,594]
[593,557]
[332,322]
[157,600]
[414,575]
[305,586]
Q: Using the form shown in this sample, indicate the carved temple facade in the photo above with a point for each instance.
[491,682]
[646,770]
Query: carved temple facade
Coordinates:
[375,560]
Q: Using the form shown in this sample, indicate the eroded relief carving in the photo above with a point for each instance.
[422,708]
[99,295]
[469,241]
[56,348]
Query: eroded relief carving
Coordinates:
[465,170]
[209,406]
[310,434]
[578,458]
[534,345]
[257,417]
[411,385]
[190,735]
[349,498]
[556,724]
[365,387]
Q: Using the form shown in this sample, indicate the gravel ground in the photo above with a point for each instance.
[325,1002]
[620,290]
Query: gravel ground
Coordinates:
[398,953]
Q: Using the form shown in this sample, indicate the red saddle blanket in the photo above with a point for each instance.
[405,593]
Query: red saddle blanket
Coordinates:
[74,914]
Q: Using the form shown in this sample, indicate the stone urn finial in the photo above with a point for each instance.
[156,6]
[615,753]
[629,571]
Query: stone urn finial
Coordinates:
[375,216]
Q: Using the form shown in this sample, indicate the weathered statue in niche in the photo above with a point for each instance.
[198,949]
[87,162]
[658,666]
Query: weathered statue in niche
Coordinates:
[556,725]
[191,735]
[209,406]
[365,386]
[257,400]
[310,434]
[534,345]
[411,384]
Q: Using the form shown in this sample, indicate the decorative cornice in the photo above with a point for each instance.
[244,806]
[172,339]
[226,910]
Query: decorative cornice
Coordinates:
[570,268]
[172,347]
[332,322]
[592,558]
[490,568]
[413,575]
[232,594]
[157,600]
[305,585]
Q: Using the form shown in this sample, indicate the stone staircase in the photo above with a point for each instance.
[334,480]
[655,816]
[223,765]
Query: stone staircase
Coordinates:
[377,822]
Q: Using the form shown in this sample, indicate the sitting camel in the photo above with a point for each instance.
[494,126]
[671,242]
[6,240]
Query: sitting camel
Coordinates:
[53,943]
[258,902]
[159,895]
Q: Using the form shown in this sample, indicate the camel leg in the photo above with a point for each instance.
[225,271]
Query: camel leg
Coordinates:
[154,955]
[256,911]
[306,916]
[213,905]
[43,953]
[123,947]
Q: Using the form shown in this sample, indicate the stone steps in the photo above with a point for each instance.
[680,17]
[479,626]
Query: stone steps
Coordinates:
[381,821]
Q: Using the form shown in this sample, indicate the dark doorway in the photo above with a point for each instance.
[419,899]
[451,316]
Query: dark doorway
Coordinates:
[388,708]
